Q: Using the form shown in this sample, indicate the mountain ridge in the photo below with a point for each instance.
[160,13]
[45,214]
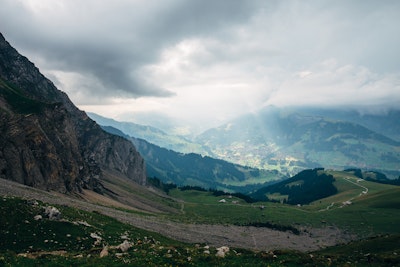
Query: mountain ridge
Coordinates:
[293,141]
[196,170]
[46,141]
[151,134]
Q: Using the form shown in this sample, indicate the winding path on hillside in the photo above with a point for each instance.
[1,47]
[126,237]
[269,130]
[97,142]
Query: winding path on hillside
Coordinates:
[349,201]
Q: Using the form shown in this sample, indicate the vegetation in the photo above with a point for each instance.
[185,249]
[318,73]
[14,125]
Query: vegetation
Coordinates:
[196,170]
[373,217]
[375,251]
[303,188]
[363,214]
[68,242]
[18,102]
[72,240]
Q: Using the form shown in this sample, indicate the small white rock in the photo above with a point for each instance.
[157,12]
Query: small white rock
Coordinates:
[124,246]
[104,252]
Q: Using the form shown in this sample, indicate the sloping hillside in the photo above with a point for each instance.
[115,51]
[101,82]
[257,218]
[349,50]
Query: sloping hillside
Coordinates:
[303,188]
[46,142]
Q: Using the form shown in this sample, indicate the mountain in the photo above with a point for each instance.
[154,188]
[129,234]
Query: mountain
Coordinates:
[47,142]
[385,122]
[197,170]
[152,135]
[290,141]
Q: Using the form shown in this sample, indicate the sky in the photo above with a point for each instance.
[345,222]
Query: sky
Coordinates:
[195,64]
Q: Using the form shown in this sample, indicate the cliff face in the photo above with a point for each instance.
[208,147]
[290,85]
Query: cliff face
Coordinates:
[47,142]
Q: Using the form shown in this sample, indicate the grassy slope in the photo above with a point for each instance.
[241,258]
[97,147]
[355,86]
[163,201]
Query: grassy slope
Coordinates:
[373,213]
[18,102]
[39,242]
[36,241]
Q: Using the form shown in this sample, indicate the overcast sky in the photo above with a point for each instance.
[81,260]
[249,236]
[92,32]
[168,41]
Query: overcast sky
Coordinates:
[202,62]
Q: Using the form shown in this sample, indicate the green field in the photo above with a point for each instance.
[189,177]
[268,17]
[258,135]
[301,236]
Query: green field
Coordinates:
[364,208]
[371,214]
[68,242]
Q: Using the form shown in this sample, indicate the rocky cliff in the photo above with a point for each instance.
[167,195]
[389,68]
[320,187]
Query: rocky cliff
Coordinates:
[46,141]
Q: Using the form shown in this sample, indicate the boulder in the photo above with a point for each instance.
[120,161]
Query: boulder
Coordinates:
[222,251]
[124,246]
[52,213]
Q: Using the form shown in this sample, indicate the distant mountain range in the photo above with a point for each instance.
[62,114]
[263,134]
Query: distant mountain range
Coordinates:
[197,170]
[291,140]
[152,135]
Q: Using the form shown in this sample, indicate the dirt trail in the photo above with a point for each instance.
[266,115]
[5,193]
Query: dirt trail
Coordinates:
[214,235]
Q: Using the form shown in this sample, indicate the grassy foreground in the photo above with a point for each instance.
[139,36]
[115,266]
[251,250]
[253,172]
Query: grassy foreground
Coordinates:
[79,237]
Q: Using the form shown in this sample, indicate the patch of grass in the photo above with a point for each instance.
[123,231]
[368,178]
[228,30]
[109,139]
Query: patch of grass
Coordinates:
[19,102]
[375,251]
[22,234]
[368,214]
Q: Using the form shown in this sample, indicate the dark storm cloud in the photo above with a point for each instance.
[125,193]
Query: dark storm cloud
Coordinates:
[112,41]
[209,60]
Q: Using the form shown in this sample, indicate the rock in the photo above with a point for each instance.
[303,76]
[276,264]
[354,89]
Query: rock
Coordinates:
[38,217]
[48,141]
[104,252]
[95,236]
[221,252]
[124,246]
[84,223]
[52,213]
[120,255]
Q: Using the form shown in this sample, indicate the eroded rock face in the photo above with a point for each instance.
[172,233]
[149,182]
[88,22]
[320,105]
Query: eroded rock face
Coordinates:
[47,142]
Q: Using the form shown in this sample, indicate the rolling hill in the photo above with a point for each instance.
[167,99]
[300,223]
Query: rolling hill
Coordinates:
[303,188]
[331,188]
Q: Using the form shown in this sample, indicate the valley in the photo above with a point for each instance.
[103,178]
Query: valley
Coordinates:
[318,191]
[288,140]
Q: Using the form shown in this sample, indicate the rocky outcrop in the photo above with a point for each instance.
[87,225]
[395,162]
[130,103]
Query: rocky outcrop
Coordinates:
[47,142]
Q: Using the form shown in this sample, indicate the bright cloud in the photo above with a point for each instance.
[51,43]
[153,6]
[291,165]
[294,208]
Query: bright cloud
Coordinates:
[198,64]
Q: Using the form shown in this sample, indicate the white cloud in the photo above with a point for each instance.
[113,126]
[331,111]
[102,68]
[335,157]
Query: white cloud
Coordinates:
[206,62]
[329,84]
